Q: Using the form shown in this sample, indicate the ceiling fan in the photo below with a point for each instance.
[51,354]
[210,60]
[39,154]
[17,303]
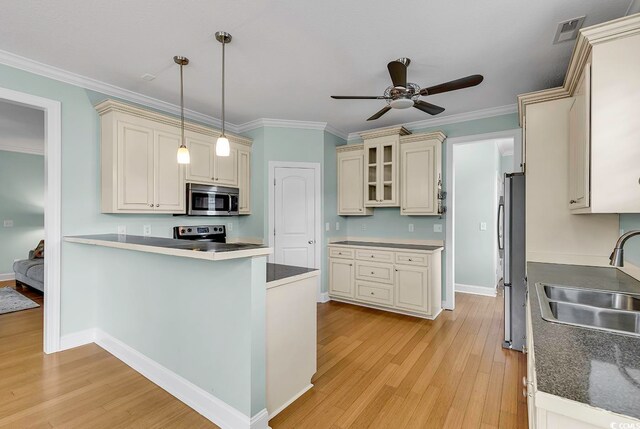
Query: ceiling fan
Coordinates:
[403,94]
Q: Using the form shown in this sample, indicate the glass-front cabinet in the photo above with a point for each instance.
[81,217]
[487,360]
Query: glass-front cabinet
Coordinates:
[381,162]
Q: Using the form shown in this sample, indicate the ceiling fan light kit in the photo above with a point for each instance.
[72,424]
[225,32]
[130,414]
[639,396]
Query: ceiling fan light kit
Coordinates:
[403,94]
[222,144]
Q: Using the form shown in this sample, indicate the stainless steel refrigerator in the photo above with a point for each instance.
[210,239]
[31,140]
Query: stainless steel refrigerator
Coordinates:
[512,243]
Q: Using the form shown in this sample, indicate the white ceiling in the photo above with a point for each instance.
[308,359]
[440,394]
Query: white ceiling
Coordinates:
[21,128]
[288,56]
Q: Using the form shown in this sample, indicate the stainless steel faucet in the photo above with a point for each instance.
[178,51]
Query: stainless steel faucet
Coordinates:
[617,256]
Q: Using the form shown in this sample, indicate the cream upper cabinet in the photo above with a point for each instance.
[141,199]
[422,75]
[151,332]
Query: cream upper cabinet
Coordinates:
[244,180]
[341,277]
[579,143]
[225,168]
[382,174]
[420,171]
[201,150]
[350,161]
[169,183]
[134,162]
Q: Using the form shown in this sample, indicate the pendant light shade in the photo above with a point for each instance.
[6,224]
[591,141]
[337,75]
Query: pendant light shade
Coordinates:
[222,145]
[183,152]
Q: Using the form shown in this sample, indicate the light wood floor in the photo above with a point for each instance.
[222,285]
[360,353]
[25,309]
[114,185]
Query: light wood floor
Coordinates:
[375,369]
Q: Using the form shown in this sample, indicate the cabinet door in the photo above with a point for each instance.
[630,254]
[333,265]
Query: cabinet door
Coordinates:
[135,167]
[201,150]
[371,191]
[419,173]
[169,175]
[244,181]
[381,161]
[351,183]
[225,169]
[579,144]
[412,288]
[341,279]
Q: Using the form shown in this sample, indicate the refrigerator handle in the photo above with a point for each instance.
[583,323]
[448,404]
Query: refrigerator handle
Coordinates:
[506,235]
[500,223]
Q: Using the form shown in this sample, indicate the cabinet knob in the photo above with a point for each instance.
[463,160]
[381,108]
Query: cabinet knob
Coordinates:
[359,210]
[372,256]
[372,272]
[150,205]
[396,269]
[410,259]
[157,205]
[372,293]
[351,265]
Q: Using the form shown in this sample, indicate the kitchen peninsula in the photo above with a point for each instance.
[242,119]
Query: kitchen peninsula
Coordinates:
[197,319]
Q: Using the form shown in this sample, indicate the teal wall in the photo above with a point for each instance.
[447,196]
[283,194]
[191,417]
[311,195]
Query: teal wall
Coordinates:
[506,164]
[21,200]
[630,222]
[476,172]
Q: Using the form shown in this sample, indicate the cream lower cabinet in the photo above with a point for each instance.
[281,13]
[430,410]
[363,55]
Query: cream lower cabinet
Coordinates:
[140,172]
[351,170]
[406,282]
[420,171]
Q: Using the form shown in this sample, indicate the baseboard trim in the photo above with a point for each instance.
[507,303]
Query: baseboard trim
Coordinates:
[212,408]
[475,290]
[290,401]
[324,297]
[77,339]
[7,276]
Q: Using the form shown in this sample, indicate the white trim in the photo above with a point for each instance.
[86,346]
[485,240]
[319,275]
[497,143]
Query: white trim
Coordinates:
[450,119]
[475,290]
[449,303]
[385,308]
[7,276]
[65,76]
[212,408]
[324,298]
[315,166]
[77,339]
[31,150]
[290,401]
[260,420]
[52,210]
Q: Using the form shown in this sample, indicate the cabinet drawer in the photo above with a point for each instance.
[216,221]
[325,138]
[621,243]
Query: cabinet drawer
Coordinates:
[335,252]
[372,271]
[376,293]
[406,258]
[374,255]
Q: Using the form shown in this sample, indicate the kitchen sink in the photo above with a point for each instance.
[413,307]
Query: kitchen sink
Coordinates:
[609,311]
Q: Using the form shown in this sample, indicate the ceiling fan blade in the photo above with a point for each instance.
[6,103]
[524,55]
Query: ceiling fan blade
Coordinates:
[381,112]
[429,108]
[398,73]
[358,97]
[453,85]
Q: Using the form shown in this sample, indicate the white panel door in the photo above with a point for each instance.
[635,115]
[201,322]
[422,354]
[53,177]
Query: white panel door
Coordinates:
[169,175]
[294,216]
[135,167]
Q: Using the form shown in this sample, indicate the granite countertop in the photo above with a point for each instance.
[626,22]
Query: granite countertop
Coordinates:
[598,368]
[278,272]
[423,247]
[171,246]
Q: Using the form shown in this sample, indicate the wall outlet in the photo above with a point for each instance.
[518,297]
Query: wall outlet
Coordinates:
[483,226]
[337,226]
[437,227]
[122,230]
[229,227]
[327,227]
[410,227]
[364,227]
[8,223]
[146,230]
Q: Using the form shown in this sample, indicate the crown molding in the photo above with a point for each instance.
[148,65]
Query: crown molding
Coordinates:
[450,119]
[435,135]
[350,147]
[28,149]
[289,123]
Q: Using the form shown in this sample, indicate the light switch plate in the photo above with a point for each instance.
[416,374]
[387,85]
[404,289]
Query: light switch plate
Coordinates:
[327,227]
[483,226]
[337,226]
[410,227]
[8,223]
[364,227]
[437,227]
[229,227]
[146,230]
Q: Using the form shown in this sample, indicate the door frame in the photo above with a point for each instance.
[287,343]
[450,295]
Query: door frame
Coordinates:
[516,134]
[52,208]
[315,166]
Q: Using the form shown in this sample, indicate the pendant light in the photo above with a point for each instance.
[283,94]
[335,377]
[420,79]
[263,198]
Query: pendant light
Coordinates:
[222,145]
[183,152]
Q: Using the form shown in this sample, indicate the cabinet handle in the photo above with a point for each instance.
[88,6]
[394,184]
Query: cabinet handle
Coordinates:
[524,392]
[572,202]
[524,381]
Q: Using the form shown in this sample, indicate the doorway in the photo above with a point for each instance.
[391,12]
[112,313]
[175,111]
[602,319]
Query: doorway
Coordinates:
[294,213]
[52,208]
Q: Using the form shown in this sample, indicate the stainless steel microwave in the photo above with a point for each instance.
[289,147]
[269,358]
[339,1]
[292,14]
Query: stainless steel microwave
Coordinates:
[206,200]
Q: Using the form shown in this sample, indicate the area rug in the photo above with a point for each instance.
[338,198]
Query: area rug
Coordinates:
[11,300]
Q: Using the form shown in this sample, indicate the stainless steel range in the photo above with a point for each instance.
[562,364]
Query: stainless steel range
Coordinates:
[208,233]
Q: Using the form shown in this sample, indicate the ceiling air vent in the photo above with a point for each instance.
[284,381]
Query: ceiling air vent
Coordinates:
[568,30]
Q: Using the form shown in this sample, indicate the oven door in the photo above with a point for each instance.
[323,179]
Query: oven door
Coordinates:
[202,203]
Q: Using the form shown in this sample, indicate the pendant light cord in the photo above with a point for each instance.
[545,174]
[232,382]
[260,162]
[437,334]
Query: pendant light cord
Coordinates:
[182,105]
[223,43]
